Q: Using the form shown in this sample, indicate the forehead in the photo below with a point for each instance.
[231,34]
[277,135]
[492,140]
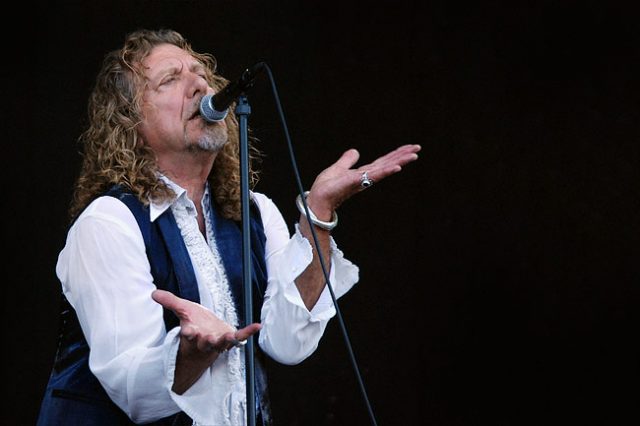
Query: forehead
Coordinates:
[167,56]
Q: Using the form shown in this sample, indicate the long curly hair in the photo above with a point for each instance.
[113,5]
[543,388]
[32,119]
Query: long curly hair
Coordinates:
[111,152]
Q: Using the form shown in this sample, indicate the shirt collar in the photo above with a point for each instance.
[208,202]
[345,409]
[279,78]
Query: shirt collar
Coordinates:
[157,208]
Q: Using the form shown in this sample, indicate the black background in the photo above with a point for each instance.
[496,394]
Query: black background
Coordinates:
[499,278]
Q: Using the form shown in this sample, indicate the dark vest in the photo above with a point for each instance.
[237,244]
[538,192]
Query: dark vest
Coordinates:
[74,395]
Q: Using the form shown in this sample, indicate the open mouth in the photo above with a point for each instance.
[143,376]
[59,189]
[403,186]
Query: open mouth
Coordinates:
[195,114]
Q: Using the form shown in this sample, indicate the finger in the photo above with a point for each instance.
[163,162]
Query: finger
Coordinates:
[228,341]
[396,161]
[401,156]
[411,147]
[244,333]
[166,299]
[189,332]
[408,148]
[402,151]
[170,301]
[388,165]
[348,159]
[240,337]
[209,344]
[365,179]
[407,155]
[383,172]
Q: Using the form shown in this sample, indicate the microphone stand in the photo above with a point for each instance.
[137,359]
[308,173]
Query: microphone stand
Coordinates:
[243,110]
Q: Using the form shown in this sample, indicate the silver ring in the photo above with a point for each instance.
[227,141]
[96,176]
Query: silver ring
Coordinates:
[365,180]
[237,343]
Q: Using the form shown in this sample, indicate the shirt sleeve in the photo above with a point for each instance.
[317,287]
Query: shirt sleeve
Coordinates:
[290,332]
[105,275]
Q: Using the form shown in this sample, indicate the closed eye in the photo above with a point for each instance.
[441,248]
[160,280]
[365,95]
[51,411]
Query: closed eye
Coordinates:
[168,80]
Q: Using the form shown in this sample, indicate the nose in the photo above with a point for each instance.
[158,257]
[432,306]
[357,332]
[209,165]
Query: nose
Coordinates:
[198,86]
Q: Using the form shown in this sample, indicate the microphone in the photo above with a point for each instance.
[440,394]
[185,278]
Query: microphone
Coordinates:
[214,108]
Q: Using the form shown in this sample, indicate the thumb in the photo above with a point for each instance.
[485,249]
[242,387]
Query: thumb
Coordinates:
[348,158]
[170,301]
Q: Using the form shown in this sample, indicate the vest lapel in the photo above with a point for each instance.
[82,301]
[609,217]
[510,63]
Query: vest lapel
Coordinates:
[185,276]
[229,242]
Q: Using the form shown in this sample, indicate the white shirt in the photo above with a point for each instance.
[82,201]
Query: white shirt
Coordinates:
[105,275]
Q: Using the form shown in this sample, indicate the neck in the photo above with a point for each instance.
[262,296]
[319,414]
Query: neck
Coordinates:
[190,171]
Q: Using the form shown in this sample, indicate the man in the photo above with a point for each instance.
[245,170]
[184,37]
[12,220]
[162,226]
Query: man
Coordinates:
[151,268]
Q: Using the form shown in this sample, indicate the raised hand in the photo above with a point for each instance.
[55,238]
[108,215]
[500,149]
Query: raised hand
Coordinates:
[340,181]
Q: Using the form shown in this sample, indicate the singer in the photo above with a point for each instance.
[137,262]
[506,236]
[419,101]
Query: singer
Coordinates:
[152,327]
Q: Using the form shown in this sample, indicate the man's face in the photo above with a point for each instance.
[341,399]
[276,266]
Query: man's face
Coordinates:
[171,124]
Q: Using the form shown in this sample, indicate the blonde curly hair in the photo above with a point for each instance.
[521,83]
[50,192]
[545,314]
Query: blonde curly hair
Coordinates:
[111,152]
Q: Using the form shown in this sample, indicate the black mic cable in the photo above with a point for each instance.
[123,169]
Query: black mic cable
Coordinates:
[317,244]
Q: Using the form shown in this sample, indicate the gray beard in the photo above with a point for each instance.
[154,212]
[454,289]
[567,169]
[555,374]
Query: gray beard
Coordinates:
[214,139]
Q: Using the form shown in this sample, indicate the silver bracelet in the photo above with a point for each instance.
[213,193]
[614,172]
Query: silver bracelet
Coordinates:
[317,222]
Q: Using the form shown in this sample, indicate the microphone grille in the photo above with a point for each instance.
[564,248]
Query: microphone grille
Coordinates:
[208,112]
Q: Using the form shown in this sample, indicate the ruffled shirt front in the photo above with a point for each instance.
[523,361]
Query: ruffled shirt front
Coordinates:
[106,277]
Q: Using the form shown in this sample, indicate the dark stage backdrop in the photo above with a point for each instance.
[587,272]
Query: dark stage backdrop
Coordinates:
[498,274]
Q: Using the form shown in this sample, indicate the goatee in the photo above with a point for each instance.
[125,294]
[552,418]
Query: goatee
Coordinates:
[214,139]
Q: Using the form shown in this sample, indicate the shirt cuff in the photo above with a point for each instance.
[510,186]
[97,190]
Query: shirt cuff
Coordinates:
[217,397]
[194,398]
[296,256]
